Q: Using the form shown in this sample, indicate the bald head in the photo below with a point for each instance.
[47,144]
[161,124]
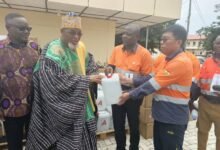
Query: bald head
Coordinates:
[133,29]
[17,27]
[131,35]
[9,18]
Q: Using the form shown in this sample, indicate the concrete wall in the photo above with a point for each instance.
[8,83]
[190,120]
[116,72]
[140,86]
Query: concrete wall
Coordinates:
[168,8]
[98,35]
[158,8]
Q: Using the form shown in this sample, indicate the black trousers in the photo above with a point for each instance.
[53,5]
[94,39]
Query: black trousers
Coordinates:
[168,136]
[14,128]
[131,109]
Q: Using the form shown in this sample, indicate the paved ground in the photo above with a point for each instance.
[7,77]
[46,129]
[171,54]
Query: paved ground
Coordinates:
[190,141]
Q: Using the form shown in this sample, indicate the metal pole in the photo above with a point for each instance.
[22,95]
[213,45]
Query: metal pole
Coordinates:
[147,36]
[189,15]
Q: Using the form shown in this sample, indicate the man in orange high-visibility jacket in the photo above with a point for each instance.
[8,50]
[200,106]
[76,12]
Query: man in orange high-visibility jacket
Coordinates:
[209,102]
[171,84]
[192,57]
[196,66]
[130,59]
[157,61]
[196,71]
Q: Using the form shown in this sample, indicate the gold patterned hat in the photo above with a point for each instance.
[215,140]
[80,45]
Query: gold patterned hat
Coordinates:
[71,21]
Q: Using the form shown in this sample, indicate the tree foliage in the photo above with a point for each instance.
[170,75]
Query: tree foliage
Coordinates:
[155,33]
[211,32]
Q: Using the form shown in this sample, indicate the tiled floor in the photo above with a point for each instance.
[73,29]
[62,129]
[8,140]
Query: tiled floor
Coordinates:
[190,141]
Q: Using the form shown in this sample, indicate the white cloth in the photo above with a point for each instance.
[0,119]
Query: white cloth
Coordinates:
[215,81]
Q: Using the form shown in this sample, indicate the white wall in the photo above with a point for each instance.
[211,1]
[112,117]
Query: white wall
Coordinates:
[98,35]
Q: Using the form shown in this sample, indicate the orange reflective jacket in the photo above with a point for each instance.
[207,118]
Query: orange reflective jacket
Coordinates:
[194,60]
[209,68]
[173,80]
[196,66]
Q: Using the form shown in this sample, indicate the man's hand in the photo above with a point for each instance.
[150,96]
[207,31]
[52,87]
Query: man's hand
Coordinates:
[96,78]
[123,98]
[108,71]
[191,106]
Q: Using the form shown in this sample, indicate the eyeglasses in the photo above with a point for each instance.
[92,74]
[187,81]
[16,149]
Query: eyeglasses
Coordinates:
[76,33]
[72,32]
[165,39]
[23,29]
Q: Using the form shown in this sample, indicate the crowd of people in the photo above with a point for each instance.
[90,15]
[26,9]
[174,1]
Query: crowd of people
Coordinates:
[50,92]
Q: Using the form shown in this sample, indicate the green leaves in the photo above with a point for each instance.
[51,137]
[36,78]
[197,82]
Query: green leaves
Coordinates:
[155,33]
[211,32]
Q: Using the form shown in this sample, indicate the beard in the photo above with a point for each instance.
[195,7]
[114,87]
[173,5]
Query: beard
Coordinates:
[71,46]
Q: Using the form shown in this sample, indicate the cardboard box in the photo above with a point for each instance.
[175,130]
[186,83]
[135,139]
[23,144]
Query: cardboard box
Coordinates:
[147,101]
[145,115]
[126,123]
[100,101]
[109,110]
[103,122]
[111,125]
[2,129]
[146,130]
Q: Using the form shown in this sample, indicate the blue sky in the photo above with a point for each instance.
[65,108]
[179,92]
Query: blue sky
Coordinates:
[202,14]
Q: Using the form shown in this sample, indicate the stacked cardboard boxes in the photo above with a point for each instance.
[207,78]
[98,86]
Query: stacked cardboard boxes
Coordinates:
[105,120]
[146,120]
[2,130]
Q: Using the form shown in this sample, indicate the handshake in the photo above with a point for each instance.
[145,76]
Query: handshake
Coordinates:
[108,73]
[124,80]
[98,78]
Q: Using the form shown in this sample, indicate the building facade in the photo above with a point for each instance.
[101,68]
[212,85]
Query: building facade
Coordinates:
[194,44]
[101,19]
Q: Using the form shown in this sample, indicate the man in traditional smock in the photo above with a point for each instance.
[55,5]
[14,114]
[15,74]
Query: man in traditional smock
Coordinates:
[63,112]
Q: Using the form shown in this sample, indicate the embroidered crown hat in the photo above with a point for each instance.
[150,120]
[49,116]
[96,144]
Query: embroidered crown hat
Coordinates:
[71,21]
